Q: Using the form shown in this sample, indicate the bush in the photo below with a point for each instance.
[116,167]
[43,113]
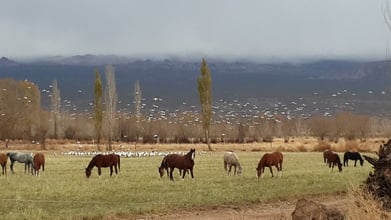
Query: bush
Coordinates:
[365,206]
[322,146]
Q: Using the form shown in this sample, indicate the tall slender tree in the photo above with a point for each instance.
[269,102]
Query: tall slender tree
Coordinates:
[56,106]
[111,102]
[98,110]
[137,107]
[205,92]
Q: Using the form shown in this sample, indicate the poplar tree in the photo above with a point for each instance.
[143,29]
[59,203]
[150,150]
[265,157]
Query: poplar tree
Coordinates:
[56,105]
[205,92]
[111,102]
[97,105]
[137,107]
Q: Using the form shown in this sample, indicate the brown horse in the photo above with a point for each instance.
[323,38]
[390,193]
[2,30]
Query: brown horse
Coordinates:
[38,161]
[269,160]
[3,162]
[163,166]
[326,153]
[332,160]
[111,160]
[182,162]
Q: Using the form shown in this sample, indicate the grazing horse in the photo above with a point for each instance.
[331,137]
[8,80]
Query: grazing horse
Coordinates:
[332,160]
[3,162]
[326,153]
[38,161]
[352,156]
[232,160]
[163,166]
[100,160]
[184,162]
[25,158]
[269,160]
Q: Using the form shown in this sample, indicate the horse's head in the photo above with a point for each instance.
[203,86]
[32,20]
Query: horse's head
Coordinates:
[240,170]
[88,172]
[192,153]
[340,167]
[259,172]
[161,171]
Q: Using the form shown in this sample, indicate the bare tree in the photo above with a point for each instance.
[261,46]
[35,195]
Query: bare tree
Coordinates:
[55,107]
[111,103]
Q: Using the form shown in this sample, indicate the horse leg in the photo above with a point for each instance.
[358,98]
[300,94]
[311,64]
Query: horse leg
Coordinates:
[279,168]
[111,170]
[171,171]
[116,171]
[271,170]
[191,172]
[99,171]
[355,162]
[229,170]
[184,173]
[12,166]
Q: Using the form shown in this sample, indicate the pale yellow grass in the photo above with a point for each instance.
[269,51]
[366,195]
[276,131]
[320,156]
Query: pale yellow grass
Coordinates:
[296,144]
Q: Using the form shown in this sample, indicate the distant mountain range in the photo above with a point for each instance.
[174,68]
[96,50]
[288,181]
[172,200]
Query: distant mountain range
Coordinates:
[365,86]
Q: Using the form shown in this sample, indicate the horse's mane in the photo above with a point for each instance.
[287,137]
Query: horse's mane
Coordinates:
[92,162]
[164,162]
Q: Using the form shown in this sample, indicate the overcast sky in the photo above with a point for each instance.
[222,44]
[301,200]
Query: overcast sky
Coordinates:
[259,30]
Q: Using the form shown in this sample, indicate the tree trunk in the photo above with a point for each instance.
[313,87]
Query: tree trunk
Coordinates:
[208,140]
[379,182]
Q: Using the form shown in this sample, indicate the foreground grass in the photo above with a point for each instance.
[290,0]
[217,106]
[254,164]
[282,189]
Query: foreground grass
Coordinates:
[63,191]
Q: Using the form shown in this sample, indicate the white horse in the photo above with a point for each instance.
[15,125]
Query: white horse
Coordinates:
[25,158]
[232,160]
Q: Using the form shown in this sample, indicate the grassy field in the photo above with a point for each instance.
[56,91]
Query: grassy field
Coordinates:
[63,191]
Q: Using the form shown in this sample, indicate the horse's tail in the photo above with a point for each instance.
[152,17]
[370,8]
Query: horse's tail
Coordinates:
[119,162]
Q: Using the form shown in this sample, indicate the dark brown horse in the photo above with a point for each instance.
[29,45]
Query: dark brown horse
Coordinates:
[3,162]
[326,153]
[182,162]
[269,160]
[163,166]
[333,160]
[38,161]
[111,160]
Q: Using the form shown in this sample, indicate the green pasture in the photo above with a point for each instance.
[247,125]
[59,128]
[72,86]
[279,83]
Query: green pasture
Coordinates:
[63,191]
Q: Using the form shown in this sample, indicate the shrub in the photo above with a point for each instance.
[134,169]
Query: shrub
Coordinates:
[365,206]
[322,146]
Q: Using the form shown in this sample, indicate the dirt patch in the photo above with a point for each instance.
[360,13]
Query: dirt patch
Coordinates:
[272,210]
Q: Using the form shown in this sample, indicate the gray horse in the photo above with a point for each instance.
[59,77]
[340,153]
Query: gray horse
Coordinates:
[25,158]
[232,160]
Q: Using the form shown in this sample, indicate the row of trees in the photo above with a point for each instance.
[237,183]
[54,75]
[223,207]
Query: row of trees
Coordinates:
[21,117]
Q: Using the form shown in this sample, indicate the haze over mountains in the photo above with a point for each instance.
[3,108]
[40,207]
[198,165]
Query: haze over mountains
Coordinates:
[321,87]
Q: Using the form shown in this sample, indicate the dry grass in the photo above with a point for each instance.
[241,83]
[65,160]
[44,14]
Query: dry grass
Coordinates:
[300,144]
[365,206]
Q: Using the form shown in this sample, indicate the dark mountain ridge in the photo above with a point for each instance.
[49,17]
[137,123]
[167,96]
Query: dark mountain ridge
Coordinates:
[174,81]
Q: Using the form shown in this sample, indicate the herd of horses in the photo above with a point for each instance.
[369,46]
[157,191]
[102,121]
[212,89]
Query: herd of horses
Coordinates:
[184,163]
[332,159]
[31,163]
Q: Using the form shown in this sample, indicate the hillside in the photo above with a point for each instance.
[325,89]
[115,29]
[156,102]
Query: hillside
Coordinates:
[306,88]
